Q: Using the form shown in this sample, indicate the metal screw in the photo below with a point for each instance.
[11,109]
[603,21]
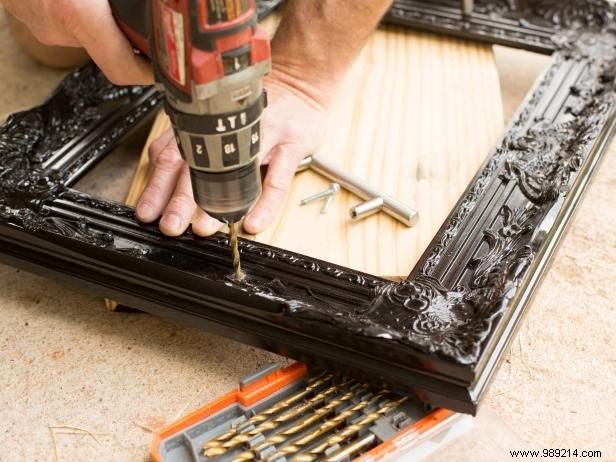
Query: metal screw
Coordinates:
[333,189]
[328,204]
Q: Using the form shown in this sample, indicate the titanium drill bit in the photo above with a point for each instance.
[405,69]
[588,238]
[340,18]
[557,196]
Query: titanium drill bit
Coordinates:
[284,436]
[234,244]
[277,421]
[304,441]
[313,384]
[348,432]
[353,449]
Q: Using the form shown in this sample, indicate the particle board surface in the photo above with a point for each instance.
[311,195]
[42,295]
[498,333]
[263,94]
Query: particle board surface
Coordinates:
[416,116]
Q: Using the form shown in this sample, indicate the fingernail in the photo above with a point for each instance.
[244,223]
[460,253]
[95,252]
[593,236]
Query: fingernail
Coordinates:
[213,225]
[145,211]
[206,226]
[172,223]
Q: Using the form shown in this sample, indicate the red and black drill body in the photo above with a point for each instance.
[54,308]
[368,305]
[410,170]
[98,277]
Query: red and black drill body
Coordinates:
[209,58]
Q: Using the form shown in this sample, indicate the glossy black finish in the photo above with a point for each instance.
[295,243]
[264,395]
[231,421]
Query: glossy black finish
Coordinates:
[528,24]
[439,334]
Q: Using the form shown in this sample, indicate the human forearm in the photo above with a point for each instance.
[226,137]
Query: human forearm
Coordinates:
[315,45]
[88,24]
[318,40]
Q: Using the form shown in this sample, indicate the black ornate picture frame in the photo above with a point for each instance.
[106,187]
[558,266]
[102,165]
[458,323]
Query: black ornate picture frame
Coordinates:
[439,334]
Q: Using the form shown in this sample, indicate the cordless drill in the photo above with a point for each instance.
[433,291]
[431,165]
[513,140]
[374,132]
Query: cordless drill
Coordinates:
[209,58]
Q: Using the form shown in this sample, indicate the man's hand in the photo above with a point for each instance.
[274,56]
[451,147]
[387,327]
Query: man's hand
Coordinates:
[293,125]
[315,44]
[88,24]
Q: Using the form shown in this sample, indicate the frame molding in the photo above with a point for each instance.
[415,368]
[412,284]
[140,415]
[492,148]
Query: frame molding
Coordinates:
[439,334]
[528,24]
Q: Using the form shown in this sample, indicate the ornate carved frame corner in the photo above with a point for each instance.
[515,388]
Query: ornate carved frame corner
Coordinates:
[442,332]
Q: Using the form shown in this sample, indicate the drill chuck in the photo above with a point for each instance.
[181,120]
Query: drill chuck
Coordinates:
[221,151]
[227,196]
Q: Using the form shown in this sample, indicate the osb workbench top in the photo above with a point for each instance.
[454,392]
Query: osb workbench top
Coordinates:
[65,360]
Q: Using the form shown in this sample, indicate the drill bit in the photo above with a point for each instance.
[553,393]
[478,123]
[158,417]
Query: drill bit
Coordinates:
[330,425]
[272,424]
[313,384]
[284,436]
[235,250]
[352,449]
[348,432]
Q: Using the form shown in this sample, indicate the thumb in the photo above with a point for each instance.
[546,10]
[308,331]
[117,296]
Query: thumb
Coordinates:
[278,179]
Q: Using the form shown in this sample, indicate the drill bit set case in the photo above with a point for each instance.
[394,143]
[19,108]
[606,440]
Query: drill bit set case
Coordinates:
[296,414]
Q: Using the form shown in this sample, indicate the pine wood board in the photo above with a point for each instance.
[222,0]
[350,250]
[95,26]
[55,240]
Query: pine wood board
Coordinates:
[416,116]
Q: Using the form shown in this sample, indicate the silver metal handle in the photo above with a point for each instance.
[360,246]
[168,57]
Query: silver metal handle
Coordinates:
[365,209]
[392,206]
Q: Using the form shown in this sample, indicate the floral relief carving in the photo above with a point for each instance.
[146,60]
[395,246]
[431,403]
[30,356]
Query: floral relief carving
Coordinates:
[524,182]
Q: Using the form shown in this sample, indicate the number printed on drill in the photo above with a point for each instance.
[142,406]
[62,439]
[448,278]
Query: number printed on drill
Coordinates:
[199,151]
[255,139]
[230,150]
[233,122]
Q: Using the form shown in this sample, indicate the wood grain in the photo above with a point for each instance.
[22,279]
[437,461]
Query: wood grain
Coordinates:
[413,102]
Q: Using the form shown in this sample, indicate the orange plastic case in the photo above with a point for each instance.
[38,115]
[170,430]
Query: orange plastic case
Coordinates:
[256,391]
